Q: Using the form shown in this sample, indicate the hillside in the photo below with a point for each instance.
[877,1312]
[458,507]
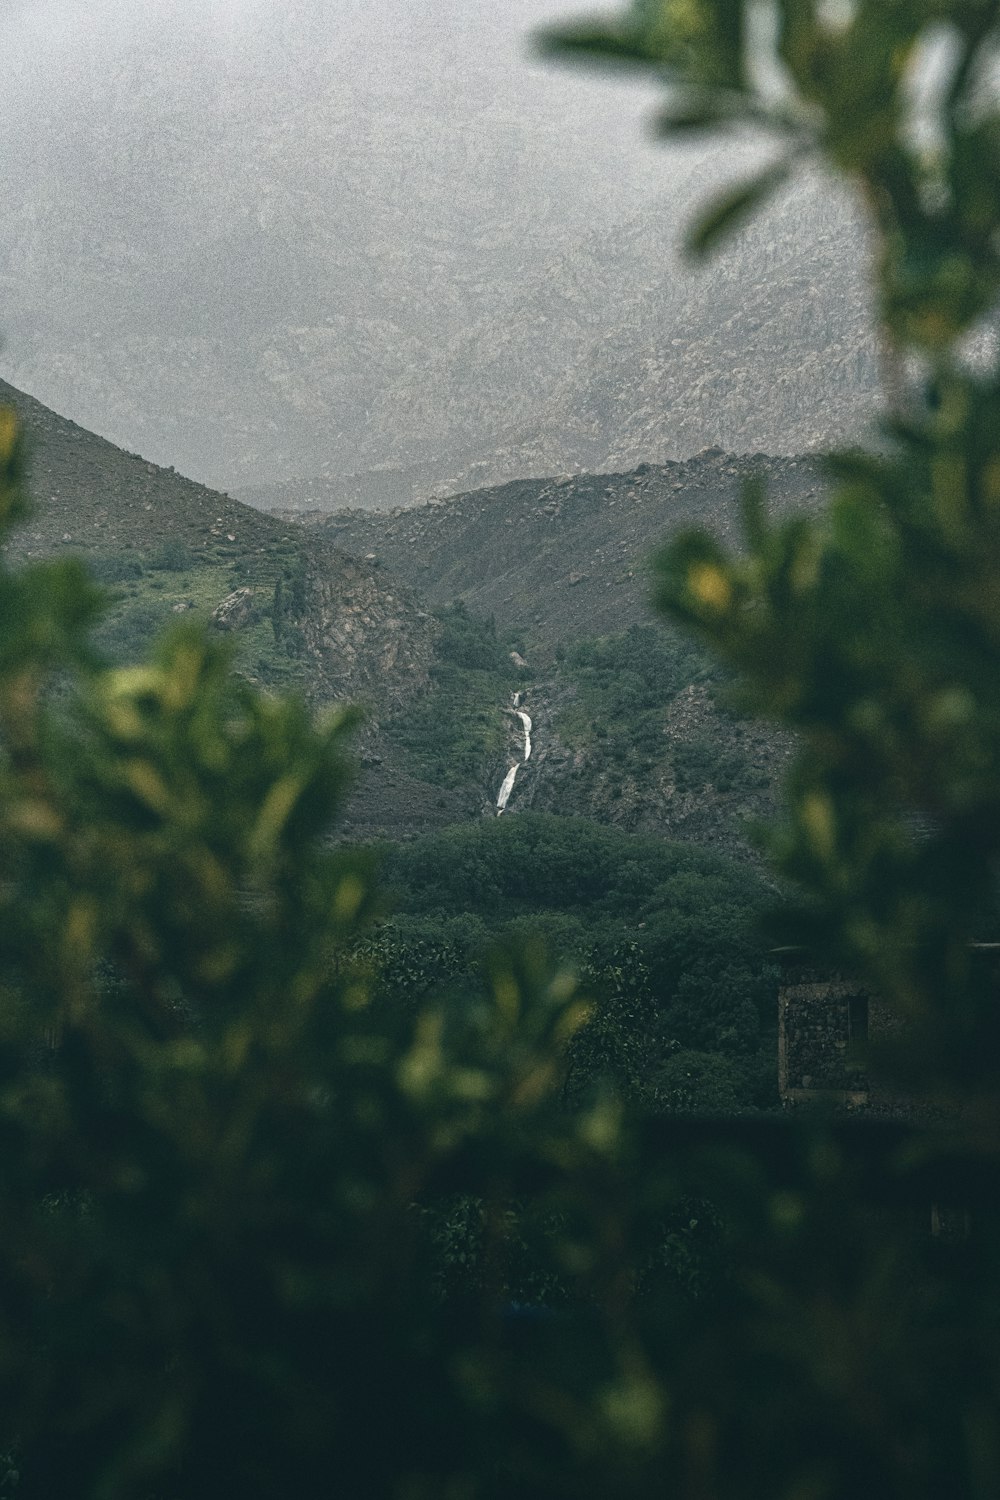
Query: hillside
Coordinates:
[562,557]
[166,546]
[631,724]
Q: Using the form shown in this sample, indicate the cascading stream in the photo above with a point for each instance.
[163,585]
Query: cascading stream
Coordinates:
[503,795]
[506,789]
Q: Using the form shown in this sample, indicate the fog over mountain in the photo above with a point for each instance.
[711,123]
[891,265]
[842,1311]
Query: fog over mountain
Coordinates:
[265,239]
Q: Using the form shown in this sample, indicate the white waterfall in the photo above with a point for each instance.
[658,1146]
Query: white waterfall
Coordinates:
[506,789]
[503,796]
[527,732]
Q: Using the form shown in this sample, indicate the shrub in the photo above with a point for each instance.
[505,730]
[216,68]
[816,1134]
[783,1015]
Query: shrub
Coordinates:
[171,556]
[120,567]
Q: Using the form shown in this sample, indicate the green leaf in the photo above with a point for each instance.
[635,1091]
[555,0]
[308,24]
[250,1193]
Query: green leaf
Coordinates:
[692,113]
[599,43]
[732,208]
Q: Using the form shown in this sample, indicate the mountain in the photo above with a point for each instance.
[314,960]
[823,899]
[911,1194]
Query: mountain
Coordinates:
[301,614]
[562,557]
[615,353]
[228,255]
[435,617]
[386,257]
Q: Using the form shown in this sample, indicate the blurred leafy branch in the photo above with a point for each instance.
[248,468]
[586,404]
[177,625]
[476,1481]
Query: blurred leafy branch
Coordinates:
[872,630]
[213,1278]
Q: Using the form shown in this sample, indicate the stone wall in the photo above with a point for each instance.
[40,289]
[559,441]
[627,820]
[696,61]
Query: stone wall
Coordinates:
[822,1039]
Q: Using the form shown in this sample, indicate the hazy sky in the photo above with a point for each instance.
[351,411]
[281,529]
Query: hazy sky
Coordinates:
[59,50]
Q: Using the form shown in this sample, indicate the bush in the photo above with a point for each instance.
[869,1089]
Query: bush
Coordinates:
[456,732]
[663,937]
[128,635]
[171,556]
[468,641]
[120,567]
[698,1082]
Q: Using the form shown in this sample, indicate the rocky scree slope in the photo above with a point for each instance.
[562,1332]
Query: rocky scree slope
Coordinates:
[561,557]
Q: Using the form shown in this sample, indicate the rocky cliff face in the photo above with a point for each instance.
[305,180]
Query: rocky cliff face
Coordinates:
[367,639]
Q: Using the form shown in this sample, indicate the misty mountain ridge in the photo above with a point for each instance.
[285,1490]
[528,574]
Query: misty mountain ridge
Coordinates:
[227,262]
[390,246]
[614,355]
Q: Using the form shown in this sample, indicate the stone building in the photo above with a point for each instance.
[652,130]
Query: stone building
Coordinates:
[825,1024]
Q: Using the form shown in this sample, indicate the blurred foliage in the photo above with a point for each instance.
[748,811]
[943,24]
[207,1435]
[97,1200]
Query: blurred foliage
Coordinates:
[263,1225]
[268,1233]
[873,630]
[213,1276]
